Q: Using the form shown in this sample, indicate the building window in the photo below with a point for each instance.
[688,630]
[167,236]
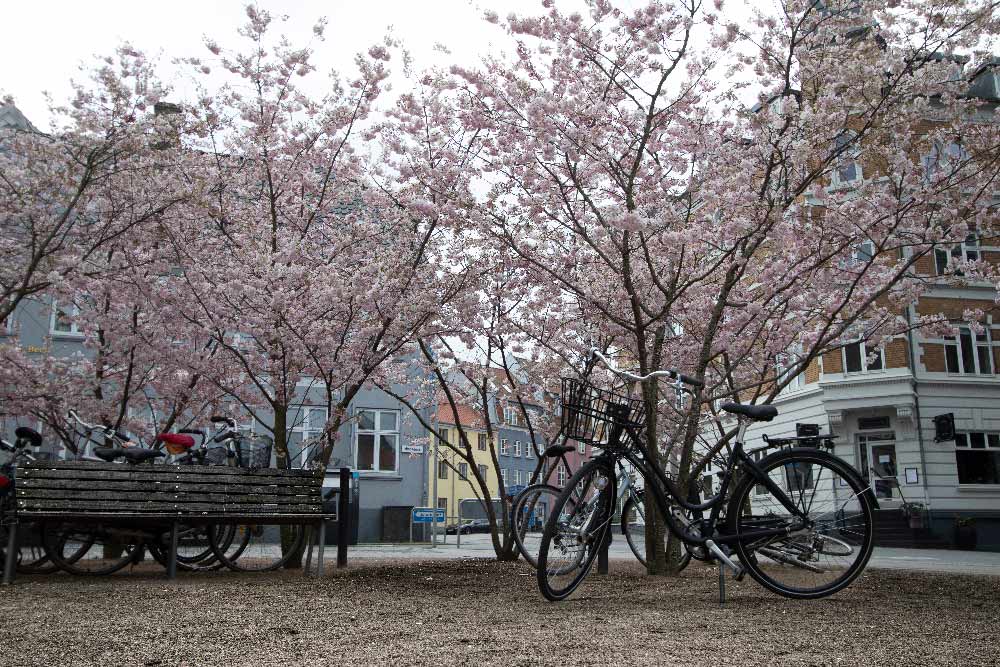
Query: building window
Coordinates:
[943,160]
[443,504]
[517,448]
[561,475]
[581,447]
[528,450]
[503,476]
[977,456]
[7,325]
[482,471]
[516,477]
[445,435]
[784,365]
[481,438]
[463,471]
[967,251]
[847,169]
[510,415]
[858,358]
[64,320]
[378,440]
[442,470]
[504,446]
[969,353]
[308,424]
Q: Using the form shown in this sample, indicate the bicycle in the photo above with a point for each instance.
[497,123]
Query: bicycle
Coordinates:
[30,557]
[798,542]
[529,510]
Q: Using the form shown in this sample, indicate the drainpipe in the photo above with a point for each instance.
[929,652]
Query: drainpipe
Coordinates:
[910,339]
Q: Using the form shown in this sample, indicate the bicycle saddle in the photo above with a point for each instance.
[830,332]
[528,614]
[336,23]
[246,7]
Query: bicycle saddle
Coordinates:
[555,451]
[176,443]
[131,454]
[31,435]
[757,413]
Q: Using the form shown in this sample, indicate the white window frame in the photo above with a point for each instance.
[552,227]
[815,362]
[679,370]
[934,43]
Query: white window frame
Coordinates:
[993,447]
[942,158]
[442,471]
[581,447]
[865,351]
[955,342]
[503,476]
[528,450]
[305,428]
[377,432]
[847,160]
[968,250]
[504,447]
[561,475]
[517,448]
[516,476]
[781,370]
[74,325]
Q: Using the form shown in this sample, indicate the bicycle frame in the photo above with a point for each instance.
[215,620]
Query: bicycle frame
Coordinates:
[662,487]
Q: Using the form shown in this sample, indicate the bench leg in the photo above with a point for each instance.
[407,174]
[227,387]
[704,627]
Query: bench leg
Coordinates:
[10,563]
[322,544]
[309,550]
[172,563]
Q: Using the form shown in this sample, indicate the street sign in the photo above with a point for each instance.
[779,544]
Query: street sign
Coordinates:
[412,449]
[427,515]
[515,489]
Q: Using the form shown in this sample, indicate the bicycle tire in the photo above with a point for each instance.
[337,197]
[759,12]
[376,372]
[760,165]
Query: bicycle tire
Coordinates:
[82,540]
[632,534]
[524,516]
[576,528]
[247,557]
[847,491]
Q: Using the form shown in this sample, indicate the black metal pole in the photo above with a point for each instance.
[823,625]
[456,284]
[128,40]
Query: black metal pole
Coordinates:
[10,563]
[602,555]
[172,565]
[343,518]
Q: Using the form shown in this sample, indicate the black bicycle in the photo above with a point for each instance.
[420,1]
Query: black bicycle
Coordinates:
[799,520]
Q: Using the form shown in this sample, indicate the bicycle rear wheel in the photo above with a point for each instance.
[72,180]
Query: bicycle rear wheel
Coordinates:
[531,508]
[576,529]
[822,554]
[256,547]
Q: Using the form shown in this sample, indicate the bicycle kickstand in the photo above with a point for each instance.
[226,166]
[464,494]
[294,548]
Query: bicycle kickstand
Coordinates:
[724,561]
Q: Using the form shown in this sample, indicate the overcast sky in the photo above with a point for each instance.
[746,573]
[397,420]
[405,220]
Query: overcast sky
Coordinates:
[42,42]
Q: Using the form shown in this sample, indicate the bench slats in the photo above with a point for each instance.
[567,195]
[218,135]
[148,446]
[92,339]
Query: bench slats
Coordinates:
[170,497]
[27,508]
[59,489]
[78,466]
[232,488]
[172,473]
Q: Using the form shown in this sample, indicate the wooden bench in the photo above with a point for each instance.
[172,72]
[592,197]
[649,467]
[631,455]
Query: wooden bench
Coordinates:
[172,495]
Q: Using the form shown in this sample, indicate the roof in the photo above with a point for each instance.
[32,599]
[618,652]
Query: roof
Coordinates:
[468,415]
[11,116]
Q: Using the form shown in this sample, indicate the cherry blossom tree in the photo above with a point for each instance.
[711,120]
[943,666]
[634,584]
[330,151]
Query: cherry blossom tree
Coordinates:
[619,164]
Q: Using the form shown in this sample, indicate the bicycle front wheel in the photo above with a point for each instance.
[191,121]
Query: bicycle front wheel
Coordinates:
[576,529]
[824,551]
[528,514]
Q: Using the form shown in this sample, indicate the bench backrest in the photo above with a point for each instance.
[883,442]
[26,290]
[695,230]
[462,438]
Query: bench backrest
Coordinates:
[72,488]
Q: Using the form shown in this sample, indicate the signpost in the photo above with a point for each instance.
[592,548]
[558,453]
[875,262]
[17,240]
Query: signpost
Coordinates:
[432,515]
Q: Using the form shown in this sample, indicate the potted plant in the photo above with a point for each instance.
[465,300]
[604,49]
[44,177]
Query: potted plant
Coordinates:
[916,513]
[965,533]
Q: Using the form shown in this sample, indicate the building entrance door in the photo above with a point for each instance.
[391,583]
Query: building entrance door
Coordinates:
[877,455]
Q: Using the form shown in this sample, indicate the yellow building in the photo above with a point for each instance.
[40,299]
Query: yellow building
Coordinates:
[455,481]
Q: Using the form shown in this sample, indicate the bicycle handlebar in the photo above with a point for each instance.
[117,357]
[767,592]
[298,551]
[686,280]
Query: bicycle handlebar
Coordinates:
[670,373]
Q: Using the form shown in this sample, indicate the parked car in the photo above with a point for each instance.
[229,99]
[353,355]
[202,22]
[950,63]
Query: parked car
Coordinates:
[469,526]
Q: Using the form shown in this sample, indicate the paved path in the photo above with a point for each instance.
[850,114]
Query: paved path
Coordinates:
[479,546]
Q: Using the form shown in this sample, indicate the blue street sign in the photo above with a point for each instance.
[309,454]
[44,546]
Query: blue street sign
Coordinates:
[515,489]
[427,515]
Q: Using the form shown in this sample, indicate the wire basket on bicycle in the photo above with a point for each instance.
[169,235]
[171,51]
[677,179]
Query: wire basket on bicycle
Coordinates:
[589,414]
[254,451]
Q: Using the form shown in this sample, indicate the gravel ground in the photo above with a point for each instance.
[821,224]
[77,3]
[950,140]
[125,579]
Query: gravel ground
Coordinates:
[482,612]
